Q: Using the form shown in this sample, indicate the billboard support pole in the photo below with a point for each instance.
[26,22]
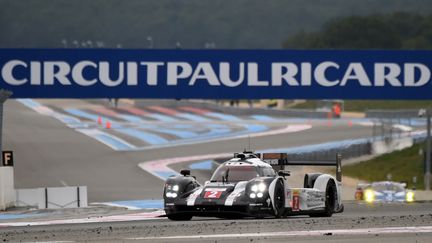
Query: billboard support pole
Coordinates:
[4,95]
[427,175]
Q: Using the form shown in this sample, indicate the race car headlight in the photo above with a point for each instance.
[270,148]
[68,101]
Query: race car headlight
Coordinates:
[171,194]
[258,187]
[409,196]
[171,190]
[175,188]
[252,195]
[369,196]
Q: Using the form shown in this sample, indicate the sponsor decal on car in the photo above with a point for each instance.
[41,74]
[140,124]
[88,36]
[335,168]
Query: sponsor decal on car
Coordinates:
[314,198]
[295,200]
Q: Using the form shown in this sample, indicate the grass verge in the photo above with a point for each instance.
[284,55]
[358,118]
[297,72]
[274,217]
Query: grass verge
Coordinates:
[402,165]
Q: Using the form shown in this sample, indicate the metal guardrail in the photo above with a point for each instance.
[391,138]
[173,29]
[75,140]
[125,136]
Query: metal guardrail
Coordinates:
[52,197]
[393,114]
[352,151]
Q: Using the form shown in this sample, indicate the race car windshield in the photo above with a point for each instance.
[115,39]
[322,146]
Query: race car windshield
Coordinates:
[387,187]
[234,173]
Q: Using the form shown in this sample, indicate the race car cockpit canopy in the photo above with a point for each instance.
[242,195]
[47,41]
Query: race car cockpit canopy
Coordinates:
[388,186]
[235,173]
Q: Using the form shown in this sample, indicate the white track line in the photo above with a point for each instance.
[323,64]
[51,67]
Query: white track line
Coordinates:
[113,218]
[366,231]
[116,205]
[46,241]
[162,165]
[63,183]
[93,133]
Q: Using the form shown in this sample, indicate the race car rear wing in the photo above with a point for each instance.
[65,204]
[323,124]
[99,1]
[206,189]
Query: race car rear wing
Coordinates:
[281,159]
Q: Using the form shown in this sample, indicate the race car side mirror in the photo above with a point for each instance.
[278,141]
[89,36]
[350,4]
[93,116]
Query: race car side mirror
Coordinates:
[185,172]
[284,173]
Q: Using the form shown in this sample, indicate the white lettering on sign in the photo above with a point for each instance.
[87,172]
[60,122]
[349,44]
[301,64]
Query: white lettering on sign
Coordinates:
[77,73]
[278,74]
[7,73]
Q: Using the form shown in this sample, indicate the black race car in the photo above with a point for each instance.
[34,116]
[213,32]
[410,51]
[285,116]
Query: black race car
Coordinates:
[247,186]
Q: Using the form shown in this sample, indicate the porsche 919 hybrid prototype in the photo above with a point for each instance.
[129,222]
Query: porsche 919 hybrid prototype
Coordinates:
[384,191]
[247,186]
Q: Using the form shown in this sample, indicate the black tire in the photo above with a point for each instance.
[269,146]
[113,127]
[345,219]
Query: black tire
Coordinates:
[179,217]
[330,200]
[279,199]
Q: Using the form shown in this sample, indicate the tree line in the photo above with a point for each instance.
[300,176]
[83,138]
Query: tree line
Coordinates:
[193,24]
[400,30]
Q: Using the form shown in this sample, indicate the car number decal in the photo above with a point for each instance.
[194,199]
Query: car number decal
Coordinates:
[212,194]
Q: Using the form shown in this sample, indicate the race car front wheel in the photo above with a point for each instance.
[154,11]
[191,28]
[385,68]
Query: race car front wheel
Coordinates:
[179,217]
[279,199]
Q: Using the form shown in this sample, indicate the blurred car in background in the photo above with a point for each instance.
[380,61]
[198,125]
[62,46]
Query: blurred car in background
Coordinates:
[384,191]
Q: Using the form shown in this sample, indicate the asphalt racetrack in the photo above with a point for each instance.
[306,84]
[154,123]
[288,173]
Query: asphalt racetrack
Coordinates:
[359,223]
[47,153]
[50,153]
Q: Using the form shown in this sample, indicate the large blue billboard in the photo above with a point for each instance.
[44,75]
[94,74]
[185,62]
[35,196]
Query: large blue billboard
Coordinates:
[216,74]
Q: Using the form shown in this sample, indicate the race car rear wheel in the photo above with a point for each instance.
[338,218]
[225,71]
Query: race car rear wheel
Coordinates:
[330,200]
[279,199]
[179,217]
